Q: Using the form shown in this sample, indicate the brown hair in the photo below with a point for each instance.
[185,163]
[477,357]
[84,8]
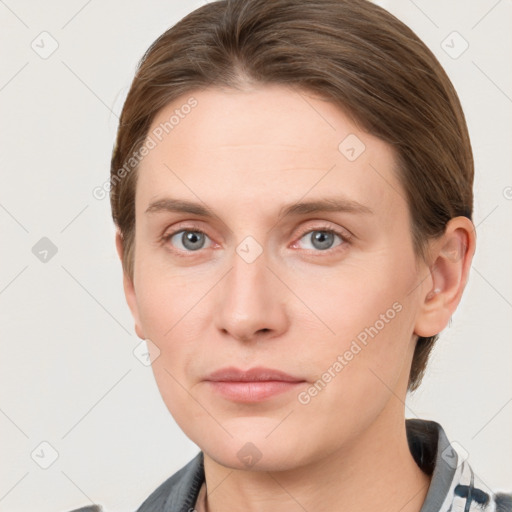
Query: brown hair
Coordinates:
[351,52]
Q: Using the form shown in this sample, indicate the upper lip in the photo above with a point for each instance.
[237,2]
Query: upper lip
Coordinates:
[256,374]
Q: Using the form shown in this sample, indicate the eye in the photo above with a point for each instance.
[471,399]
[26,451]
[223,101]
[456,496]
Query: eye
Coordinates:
[190,240]
[321,239]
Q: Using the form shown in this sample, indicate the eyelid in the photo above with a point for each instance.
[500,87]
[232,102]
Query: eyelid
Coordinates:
[345,235]
[185,226]
[324,226]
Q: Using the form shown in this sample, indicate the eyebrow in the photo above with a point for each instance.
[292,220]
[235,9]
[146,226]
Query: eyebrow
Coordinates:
[332,204]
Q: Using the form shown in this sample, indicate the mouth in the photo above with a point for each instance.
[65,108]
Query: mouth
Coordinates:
[253,385]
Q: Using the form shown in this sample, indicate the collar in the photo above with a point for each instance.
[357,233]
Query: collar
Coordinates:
[454,486]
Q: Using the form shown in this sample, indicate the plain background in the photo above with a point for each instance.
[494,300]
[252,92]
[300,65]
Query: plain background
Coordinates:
[68,373]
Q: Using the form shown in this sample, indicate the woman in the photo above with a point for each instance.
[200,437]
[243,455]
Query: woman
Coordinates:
[292,187]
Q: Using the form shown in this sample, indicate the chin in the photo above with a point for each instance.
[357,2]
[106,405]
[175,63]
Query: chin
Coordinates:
[253,449]
[248,457]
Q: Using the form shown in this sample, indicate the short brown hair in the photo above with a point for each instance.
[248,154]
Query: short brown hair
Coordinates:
[351,52]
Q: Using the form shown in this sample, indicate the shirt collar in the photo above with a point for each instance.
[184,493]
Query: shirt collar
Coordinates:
[435,456]
[429,447]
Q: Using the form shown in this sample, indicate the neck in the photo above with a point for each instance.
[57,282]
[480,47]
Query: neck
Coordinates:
[376,471]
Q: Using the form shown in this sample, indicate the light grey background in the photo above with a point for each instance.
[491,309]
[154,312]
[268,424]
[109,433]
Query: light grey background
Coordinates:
[68,373]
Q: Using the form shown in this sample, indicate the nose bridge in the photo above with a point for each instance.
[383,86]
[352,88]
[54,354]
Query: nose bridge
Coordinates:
[249,301]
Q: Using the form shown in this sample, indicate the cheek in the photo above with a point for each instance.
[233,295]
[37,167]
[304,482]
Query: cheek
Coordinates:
[370,318]
[354,299]
[166,308]
[360,370]
[173,314]
[162,299]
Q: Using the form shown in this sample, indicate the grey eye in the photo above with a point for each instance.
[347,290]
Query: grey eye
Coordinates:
[190,240]
[320,239]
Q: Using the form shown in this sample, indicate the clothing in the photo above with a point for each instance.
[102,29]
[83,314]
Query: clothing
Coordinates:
[454,486]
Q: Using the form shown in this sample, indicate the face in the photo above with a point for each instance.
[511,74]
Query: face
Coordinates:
[272,235]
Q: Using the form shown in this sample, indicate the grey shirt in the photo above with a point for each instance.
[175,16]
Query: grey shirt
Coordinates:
[454,485]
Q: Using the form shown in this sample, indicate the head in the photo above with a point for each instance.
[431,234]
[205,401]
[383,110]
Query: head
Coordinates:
[239,117]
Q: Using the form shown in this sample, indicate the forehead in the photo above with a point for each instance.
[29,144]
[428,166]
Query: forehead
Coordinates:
[267,142]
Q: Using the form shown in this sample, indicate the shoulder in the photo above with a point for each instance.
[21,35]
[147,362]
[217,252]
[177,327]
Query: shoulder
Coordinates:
[179,492]
[503,501]
[471,494]
[454,485]
[90,508]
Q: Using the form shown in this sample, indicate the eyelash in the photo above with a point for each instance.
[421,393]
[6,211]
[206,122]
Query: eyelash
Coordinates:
[344,236]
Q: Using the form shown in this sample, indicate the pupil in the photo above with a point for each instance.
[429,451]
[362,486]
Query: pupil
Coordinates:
[190,239]
[323,238]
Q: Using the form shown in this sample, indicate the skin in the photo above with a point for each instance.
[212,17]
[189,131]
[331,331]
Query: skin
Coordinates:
[245,154]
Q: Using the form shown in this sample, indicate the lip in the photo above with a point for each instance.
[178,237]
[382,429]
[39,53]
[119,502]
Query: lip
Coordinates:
[253,385]
[256,374]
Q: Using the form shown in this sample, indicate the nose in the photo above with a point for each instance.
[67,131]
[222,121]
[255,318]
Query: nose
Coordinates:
[251,301]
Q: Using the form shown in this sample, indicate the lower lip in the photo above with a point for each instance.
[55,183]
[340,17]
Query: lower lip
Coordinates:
[255,391]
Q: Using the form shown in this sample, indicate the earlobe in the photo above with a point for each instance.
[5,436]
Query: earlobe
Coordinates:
[129,289]
[451,254]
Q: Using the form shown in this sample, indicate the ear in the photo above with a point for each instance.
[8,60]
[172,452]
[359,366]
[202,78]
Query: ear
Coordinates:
[129,288]
[450,257]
